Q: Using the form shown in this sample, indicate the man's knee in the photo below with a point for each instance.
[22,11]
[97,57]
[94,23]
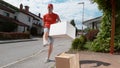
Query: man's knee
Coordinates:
[51,40]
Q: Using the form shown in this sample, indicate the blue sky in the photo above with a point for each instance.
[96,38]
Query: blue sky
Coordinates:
[67,9]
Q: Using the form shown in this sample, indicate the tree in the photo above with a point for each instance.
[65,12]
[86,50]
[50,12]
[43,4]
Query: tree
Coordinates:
[102,43]
[72,22]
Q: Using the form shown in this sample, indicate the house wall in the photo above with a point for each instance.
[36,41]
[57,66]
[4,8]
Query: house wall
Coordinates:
[96,22]
[41,22]
[96,25]
[40,31]
[21,29]
[3,12]
[25,19]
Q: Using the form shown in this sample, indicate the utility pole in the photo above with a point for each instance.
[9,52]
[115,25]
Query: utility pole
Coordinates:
[82,15]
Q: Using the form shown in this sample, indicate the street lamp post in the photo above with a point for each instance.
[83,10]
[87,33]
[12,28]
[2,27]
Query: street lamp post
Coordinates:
[82,15]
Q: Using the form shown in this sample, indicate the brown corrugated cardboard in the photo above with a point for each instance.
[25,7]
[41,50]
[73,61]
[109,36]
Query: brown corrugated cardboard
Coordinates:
[65,60]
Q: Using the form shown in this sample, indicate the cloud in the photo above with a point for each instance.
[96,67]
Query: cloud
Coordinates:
[67,9]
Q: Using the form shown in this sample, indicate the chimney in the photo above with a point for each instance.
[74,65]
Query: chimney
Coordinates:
[21,6]
[39,15]
[27,8]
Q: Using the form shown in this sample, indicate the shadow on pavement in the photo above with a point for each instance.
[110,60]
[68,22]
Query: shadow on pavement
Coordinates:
[52,60]
[98,63]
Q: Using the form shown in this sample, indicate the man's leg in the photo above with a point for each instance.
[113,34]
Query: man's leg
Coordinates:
[50,50]
[45,37]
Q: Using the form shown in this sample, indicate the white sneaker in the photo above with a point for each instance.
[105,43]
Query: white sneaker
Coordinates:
[47,60]
[45,43]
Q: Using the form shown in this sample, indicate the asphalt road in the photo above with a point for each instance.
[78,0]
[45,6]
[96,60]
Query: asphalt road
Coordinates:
[32,53]
[11,52]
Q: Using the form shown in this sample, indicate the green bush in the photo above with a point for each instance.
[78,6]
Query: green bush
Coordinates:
[13,35]
[78,43]
[102,43]
[75,43]
[88,45]
[82,39]
[117,45]
[101,46]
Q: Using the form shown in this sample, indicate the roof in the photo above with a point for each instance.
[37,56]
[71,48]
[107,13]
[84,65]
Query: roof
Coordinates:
[12,9]
[6,9]
[92,20]
[8,5]
[30,14]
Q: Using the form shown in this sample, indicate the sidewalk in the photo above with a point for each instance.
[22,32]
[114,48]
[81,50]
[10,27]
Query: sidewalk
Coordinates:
[99,60]
[87,60]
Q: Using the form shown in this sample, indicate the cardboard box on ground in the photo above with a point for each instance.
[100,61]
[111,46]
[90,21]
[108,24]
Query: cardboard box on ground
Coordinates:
[62,29]
[66,60]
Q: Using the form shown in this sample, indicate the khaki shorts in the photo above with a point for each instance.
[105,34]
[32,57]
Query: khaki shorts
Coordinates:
[46,30]
[50,39]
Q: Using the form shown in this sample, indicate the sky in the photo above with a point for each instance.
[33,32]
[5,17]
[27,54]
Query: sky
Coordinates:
[66,9]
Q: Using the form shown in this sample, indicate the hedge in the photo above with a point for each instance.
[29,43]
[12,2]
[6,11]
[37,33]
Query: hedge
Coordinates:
[13,35]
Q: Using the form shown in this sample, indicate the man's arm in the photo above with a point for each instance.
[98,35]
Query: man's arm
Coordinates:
[44,20]
[58,19]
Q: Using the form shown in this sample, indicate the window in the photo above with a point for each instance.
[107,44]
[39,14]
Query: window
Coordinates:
[15,17]
[6,14]
[29,19]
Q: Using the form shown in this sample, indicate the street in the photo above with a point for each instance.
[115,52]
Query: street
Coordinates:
[33,50]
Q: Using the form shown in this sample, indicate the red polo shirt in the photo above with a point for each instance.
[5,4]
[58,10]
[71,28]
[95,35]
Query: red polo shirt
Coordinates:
[49,19]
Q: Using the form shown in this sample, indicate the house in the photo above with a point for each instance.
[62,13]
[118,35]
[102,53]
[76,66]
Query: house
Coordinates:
[93,23]
[21,16]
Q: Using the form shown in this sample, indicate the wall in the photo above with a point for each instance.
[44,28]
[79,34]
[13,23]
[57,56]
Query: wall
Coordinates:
[24,18]
[1,11]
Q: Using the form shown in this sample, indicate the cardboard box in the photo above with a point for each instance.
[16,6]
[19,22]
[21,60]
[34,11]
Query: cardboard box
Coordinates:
[67,61]
[62,29]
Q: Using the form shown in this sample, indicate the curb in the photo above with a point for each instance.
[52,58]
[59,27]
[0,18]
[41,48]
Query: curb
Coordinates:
[15,41]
